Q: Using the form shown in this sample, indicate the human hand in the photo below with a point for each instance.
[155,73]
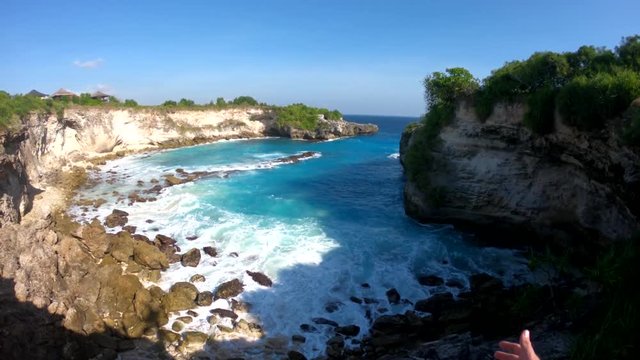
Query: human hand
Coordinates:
[513,351]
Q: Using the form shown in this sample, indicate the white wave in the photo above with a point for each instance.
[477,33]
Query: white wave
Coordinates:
[394,156]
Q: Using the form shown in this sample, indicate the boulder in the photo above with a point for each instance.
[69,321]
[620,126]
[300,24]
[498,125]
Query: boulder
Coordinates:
[323,321]
[149,256]
[204,298]
[224,313]
[191,258]
[349,330]
[197,278]
[260,278]
[435,303]
[393,296]
[229,289]
[294,355]
[181,296]
[192,339]
[168,336]
[116,218]
[121,247]
[94,237]
[210,250]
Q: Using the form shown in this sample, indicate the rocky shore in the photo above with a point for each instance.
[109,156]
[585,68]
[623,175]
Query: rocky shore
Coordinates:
[91,293]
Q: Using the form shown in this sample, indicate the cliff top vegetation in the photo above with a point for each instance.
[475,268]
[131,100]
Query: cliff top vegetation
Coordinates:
[587,87]
[13,108]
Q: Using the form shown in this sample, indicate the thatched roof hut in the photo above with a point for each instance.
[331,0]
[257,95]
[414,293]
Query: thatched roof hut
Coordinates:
[61,93]
[100,95]
[37,93]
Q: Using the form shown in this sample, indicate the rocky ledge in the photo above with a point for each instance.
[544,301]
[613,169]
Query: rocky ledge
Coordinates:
[325,130]
[497,177]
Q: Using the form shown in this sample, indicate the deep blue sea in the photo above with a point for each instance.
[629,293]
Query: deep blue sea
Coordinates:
[320,228]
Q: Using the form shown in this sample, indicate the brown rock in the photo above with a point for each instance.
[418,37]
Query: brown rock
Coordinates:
[121,246]
[191,258]
[224,313]
[229,289]
[211,251]
[149,256]
[116,218]
[204,298]
[260,278]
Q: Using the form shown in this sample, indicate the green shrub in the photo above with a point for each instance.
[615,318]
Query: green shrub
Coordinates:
[130,103]
[447,87]
[169,103]
[587,102]
[298,116]
[541,111]
[244,101]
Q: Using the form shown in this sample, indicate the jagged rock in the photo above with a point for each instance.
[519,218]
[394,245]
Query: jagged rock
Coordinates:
[260,278]
[325,130]
[355,300]
[349,330]
[191,258]
[116,218]
[172,180]
[94,237]
[393,296]
[430,280]
[335,347]
[130,229]
[323,321]
[204,298]
[211,251]
[181,296]
[485,282]
[224,313]
[240,306]
[229,289]
[455,283]
[333,306]
[121,246]
[149,256]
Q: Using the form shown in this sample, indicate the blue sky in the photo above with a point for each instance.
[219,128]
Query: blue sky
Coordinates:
[359,56]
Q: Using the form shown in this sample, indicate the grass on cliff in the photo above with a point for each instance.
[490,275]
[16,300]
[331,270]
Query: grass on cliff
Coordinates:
[304,117]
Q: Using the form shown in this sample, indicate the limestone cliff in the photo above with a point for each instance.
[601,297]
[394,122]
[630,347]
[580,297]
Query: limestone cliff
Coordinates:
[500,179]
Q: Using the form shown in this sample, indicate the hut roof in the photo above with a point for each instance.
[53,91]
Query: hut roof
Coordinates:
[99,94]
[36,93]
[63,92]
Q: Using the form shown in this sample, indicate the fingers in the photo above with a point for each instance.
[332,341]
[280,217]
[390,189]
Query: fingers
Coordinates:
[527,347]
[509,346]
[499,355]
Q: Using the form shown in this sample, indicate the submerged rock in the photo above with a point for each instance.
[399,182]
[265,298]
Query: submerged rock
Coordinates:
[323,321]
[393,296]
[349,330]
[430,280]
[260,278]
[224,313]
[211,251]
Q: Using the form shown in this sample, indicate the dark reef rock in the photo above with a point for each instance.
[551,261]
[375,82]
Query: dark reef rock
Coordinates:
[191,258]
[260,278]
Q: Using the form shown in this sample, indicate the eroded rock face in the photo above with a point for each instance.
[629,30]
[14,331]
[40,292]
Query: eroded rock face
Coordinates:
[500,177]
[326,129]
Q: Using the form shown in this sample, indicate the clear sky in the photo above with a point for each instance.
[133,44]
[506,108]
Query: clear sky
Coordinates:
[359,56]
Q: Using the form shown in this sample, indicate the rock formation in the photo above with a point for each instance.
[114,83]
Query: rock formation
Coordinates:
[498,177]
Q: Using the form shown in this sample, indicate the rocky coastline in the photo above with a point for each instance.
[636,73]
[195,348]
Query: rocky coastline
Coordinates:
[93,289]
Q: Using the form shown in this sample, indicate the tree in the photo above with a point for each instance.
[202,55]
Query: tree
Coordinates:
[169,103]
[446,87]
[629,52]
[245,100]
[186,102]
[220,102]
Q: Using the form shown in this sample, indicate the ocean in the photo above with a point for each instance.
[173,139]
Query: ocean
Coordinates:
[325,229]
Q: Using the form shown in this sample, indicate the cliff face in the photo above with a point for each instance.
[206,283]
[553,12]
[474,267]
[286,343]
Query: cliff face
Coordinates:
[499,177]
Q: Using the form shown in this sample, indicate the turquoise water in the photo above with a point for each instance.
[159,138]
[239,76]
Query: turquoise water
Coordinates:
[319,228]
